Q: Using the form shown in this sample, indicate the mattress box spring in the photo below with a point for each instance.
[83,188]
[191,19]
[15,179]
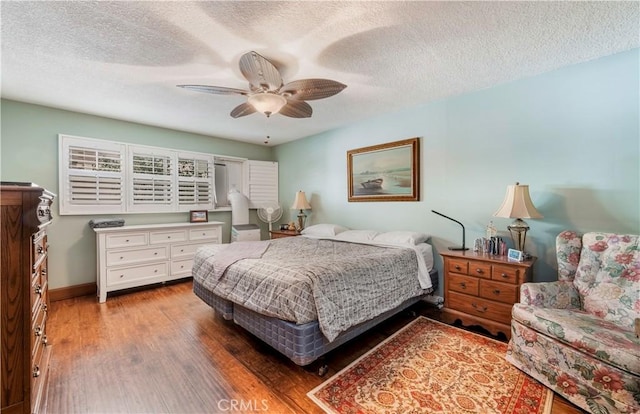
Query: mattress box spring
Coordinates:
[222,306]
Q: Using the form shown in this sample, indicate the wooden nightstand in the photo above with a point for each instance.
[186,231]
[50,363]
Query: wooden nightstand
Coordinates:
[276,234]
[481,290]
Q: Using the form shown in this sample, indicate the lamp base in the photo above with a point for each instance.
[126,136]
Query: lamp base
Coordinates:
[301,220]
[518,230]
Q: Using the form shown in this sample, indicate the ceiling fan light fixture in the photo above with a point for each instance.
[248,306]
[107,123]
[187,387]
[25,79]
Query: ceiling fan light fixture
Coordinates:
[267,103]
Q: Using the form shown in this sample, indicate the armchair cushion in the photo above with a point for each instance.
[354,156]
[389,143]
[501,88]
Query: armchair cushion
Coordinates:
[584,332]
[608,277]
[559,295]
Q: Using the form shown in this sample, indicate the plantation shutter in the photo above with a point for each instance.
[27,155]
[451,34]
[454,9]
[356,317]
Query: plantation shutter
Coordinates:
[151,188]
[91,176]
[261,183]
[195,182]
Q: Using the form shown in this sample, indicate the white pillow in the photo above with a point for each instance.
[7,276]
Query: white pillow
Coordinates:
[404,237]
[323,230]
[357,235]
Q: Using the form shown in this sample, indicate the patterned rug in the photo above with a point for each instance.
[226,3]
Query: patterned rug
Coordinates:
[430,367]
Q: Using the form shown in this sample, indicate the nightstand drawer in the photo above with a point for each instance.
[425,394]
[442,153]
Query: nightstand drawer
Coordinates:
[505,274]
[458,266]
[480,269]
[204,234]
[502,292]
[463,284]
[483,308]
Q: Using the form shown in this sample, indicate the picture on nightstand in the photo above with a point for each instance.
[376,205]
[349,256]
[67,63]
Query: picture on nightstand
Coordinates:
[198,216]
[515,255]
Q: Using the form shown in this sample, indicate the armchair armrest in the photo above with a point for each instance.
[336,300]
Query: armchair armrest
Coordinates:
[557,295]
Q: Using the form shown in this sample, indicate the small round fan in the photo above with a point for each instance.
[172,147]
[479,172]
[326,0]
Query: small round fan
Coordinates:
[270,213]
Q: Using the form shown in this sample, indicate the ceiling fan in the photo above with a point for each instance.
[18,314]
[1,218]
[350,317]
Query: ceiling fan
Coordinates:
[267,93]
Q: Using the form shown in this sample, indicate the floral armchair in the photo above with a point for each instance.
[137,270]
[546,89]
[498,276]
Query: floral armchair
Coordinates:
[576,335]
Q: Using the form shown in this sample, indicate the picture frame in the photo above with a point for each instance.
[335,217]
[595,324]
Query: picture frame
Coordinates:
[514,255]
[198,216]
[385,172]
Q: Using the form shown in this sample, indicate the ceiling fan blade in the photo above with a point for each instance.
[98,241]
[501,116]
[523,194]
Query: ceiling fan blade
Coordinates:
[296,109]
[260,73]
[243,109]
[309,89]
[218,90]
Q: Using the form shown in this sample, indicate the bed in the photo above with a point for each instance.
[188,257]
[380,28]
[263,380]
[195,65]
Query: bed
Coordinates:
[305,296]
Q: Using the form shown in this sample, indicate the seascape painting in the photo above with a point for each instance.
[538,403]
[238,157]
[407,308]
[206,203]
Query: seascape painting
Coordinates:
[386,172]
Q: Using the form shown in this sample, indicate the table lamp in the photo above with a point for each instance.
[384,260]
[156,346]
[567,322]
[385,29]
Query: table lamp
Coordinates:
[517,204]
[301,203]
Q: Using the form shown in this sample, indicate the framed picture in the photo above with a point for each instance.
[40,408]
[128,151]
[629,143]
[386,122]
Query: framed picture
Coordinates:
[385,172]
[198,216]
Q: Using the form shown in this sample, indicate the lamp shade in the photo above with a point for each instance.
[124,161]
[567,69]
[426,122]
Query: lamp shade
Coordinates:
[301,203]
[517,203]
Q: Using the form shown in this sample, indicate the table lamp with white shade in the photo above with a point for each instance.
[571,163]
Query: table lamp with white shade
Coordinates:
[301,203]
[517,204]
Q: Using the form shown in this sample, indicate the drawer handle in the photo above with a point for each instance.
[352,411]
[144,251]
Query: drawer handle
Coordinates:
[504,276]
[121,257]
[45,341]
[126,241]
[44,307]
[40,250]
[457,267]
[38,290]
[155,253]
[182,267]
[121,276]
[204,234]
[463,285]
[38,331]
[480,309]
[155,271]
[43,271]
[168,237]
[479,271]
[496,292]
[181,250]
[36,371]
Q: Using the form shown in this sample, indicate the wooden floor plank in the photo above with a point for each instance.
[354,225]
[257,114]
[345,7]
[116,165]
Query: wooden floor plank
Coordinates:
[163,350]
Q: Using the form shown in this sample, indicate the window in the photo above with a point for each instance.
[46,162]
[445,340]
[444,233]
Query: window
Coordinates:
[91,176]
[105,177]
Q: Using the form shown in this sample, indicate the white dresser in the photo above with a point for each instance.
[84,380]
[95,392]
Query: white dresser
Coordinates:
[132,256]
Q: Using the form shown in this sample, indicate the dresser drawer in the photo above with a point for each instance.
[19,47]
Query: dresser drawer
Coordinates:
[167,236]
[38,330]
[181,267]
[458,266]
[502,292]
[505,274]
[480,307]
[203,234]
[39,248]
[184,251]
[463,284]
[123,257]
[480,269]
[135,273]
[126,240]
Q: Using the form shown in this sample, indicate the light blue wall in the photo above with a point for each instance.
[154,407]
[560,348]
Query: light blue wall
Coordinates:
[29,152]
[572,135]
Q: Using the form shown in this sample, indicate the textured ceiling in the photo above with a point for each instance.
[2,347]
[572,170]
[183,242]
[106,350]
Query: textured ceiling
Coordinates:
[123,59]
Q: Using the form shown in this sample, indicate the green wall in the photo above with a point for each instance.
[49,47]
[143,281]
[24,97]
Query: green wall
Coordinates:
[29,152]
[572,135]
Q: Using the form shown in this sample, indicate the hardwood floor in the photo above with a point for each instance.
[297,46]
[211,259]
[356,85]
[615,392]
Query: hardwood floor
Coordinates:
[163,350]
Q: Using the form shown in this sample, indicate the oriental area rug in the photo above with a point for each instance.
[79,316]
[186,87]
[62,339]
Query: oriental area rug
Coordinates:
[431,367]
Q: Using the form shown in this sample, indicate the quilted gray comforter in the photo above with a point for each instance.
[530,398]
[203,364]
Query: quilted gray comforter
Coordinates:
[299,279]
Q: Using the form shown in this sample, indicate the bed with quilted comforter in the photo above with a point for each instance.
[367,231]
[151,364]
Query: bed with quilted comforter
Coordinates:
[304,295]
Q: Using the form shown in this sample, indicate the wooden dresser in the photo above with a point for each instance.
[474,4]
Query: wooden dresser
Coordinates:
[481,290]
[25,216]
[132,256]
